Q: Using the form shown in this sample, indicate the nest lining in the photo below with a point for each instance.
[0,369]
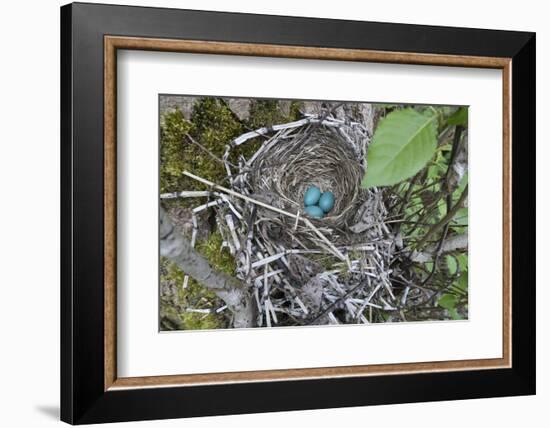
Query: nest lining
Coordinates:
[321,158]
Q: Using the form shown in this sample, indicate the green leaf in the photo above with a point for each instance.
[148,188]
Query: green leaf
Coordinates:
[455,315]
[442,207]
[463,281]
[459,117]
[403,143]
[461,217]
[451,264]
[434,171]
[462,261]
[447,301]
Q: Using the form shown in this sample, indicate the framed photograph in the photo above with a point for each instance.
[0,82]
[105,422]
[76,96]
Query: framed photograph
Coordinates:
[266,213]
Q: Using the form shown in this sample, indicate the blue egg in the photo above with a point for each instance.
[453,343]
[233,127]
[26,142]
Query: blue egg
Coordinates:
[312,195]
[326,201]
[314,211]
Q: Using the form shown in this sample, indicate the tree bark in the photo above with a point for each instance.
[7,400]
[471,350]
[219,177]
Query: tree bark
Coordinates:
[458,242]
[232,291]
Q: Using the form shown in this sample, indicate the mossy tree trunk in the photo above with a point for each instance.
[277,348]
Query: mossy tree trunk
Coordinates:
[233,292]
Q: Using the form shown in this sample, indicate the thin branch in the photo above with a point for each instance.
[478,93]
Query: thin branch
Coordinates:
[333,305]
[207,151]
[308,223]
[448,217]
[454,243]
[232,291]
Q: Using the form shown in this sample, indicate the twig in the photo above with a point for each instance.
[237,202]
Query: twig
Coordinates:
[207,151]
[280,211]
[186,194]
[454,243]
[448,217]
[454,154]
[335,303]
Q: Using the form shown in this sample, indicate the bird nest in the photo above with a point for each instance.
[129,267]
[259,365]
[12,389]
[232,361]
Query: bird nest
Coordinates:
[317,151]
[303,270]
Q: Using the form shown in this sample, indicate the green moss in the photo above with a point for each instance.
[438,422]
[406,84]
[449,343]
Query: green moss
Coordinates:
[195,295]
[295,110]
[169,318]
[194,321]
[174,152]
[264,113]
[218,257]
[326,261]
[213,125]
[269,113]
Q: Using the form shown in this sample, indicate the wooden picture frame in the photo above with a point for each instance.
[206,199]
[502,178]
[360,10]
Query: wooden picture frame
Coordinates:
[91,390]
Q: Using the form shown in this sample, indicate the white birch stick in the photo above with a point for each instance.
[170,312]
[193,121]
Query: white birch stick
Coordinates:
[231,207]
[258,279]
[257,296]
[265,130]
[200,208]
[308,223]
[301,304]
[272,310]
[267,315]
[198,311]
[186,194]
[405,295]
[231,225]
[266,282]
[350,308]
[387,306]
